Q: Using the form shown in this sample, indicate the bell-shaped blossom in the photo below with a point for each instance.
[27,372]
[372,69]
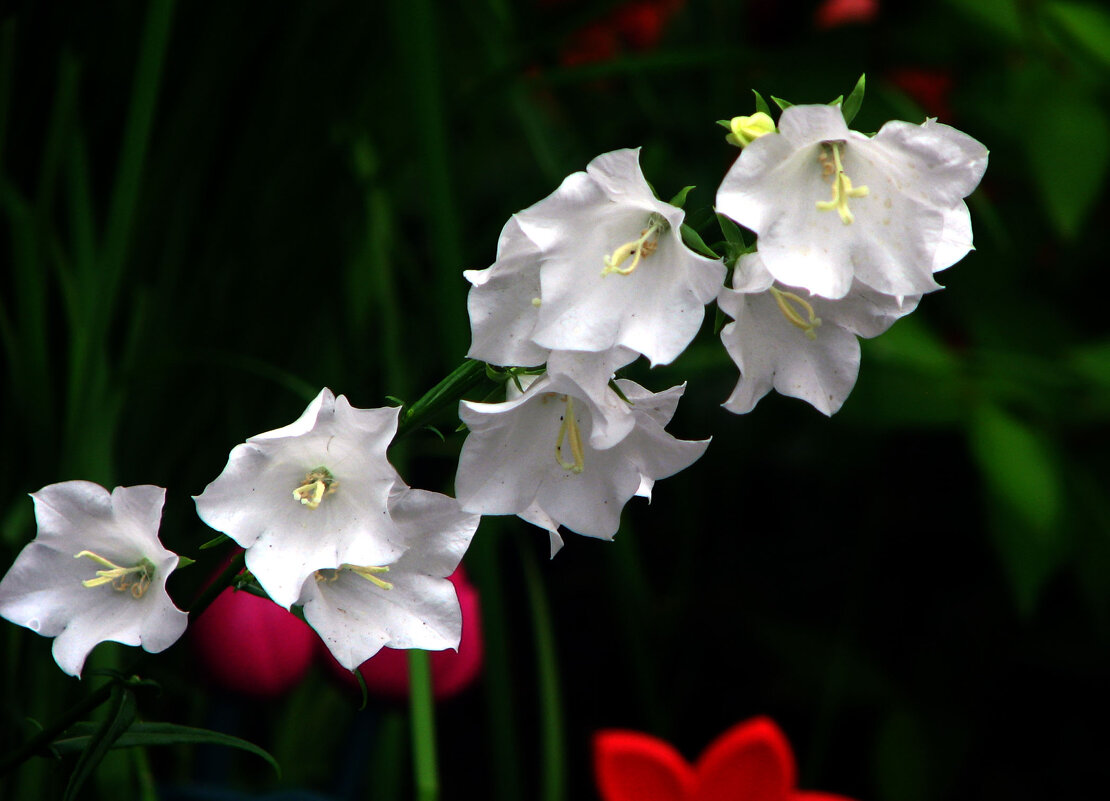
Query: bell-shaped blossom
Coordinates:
[250,645]
[752,761]
[313,495]
[535,456]
[598,264]
[386,673]
[358,608]
[96,571]
[831,205]
[801,345]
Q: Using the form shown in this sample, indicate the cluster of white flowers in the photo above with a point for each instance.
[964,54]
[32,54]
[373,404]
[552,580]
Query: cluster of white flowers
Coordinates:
[850,231]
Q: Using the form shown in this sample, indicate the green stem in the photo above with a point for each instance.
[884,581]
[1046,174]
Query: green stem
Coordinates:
[422,710]
[217,585]
[447,392]
[551,711]
[41,740]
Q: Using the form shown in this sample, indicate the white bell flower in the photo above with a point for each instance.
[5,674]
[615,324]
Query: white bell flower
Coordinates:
[359,608]
[534,456]
[832,205]
[798,344]
[598,264]
[310,496]
[96,571]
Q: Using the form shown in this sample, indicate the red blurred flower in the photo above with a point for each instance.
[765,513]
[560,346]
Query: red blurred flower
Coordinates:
[834,13]
[752,761]
[387,672]
[637,26]
[251,645]
[929,88]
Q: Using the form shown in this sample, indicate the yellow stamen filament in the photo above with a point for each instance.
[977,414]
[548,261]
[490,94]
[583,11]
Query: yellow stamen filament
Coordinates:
[318,483]
[135,579]
[842,188]
[366,571]
[636,249]
[792,306]
[568,430]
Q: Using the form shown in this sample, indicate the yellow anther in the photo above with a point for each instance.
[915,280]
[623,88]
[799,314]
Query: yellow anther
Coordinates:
[537,302]
[842,188]
[135,579]
[745,130]
[368,572]
[792,306]
[318,483]
[568,430]
[637,249]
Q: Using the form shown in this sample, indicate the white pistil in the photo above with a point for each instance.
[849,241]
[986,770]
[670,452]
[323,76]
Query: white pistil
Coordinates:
[568,430]
[318,483]
[637,249]
[842,188]
[787,301]
[136,579]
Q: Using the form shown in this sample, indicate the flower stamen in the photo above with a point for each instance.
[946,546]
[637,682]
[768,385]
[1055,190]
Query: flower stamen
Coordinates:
[318,483]
[637,249]
[135,579]
[368,572]
[568,430]
[792,306]
[842,188]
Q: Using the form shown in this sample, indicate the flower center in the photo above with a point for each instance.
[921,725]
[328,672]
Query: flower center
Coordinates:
[842,188]
[637,249]
[135,579]
[318,482]
[368,572]
[570,434]
[792,307]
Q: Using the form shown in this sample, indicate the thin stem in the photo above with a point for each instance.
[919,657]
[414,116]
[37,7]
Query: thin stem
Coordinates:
[448,391]
[422,711]
[217,585]
[551,710]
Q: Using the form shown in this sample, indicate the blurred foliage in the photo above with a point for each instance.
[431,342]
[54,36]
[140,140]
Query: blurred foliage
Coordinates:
[210,210]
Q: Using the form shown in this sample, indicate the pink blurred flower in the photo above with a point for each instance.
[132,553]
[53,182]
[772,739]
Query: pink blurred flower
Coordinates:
[834,13]
[250,645]
[387,672]
[752,761]
[929,88]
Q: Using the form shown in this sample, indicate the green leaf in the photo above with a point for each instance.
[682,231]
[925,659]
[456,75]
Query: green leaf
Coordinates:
[679,200]
[782,104]
[1001,17]
[761,104]
[121,714]
[1085,24]
[184,562]
[1022,474]
[836,101]
[212,543]
[437,432]
[150,734]
[693,240]
[852,105]
[733,235]
[726,124]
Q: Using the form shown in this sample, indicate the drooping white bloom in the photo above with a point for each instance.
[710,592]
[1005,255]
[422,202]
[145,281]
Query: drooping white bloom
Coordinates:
[96,571]
[832,205]
[534,456]
[358,609]
[598,264]
[310,496]
[799,344]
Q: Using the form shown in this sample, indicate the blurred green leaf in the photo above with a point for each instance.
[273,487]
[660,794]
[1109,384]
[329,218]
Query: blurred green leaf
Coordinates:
[1023,475]
[1001,17]
[1087,25]
[146,734]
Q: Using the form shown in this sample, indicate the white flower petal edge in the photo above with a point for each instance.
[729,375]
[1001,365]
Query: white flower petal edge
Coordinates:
[773,352]
[533,456]
[897,216]
[44,591]
[334,456]
[651,301]
[409,605]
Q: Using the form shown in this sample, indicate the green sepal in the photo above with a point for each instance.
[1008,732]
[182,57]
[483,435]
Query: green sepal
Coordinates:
[726,124]
[394,400]
[362,686]
[692,239]
[217,540]
[437,432]
[122,711]
[613,385]
[147,734]
[184,561]
[760,104]
[850,108]
[734,239]
[836,101]
[719,321]
[782,104]
[679,200]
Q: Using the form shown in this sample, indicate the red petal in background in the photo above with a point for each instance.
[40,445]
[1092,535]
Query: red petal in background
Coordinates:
[632,766]
[752,761]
